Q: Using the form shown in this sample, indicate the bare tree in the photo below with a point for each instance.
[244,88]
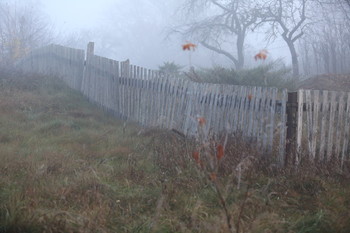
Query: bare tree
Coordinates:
[22,28]
[343,5]
[325,47]
[287,18]
[226,22]
[346,8]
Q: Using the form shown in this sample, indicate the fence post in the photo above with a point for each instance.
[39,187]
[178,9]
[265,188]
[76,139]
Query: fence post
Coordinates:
[85,83]
[90,49]
[292,108]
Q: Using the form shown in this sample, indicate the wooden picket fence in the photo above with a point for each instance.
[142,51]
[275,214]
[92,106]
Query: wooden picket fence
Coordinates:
[258,114]
[323,125]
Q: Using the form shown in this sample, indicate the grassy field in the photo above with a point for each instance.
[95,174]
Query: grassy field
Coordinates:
[66,166]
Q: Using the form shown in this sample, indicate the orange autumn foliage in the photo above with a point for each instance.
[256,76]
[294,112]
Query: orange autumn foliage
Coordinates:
[262,55]
[195,156]
[212,176]
[201,121]
[219,152]
[189,46]
[250,97]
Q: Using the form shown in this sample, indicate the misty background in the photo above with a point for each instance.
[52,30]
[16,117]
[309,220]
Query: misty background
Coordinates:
[139,30]
[151,32]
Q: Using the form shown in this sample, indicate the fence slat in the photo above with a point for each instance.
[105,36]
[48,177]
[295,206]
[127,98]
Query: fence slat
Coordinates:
[315,133]
[282,127]
[256,119]
[339,124]
[272,120]
[309,117]
[299,126]
[331,127]
[346,131]
[323,124]
[266,119]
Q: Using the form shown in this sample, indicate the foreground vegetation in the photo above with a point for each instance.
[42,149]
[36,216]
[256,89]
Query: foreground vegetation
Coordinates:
[66,166]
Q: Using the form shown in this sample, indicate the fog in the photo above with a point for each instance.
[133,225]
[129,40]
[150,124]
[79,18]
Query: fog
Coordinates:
[151,32]
[77,14]
[137,30]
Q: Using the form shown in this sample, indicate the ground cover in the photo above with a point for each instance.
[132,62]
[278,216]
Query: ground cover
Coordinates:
[67,166]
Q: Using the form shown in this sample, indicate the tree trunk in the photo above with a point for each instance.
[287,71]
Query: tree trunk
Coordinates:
[295,62]
[239,61]
[240,52]
[326,58]
[305,58]
[317,58]
[333,57]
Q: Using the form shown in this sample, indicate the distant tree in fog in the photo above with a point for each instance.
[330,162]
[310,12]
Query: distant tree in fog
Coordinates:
[347,9]
[221,25]
[232,20]
[326,48]
[170,68]
[342,5]
[289,19]
[22,28]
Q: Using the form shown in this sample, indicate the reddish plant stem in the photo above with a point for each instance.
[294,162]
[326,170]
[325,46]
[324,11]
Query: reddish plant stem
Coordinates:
[224,206]
[242,209]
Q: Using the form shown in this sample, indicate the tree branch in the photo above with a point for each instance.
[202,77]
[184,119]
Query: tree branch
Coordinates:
[303,18]
[297,36]
[220,51]
[220,6]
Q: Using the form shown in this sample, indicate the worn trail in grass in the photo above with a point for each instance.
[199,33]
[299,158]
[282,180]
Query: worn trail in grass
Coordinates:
[66,166]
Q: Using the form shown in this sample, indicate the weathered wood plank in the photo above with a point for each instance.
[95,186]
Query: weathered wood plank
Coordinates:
[158,97]
[315,131]
[272,115]
[189,102]
[215,108]
[152,100]
[331,125]
[225,109]
[309,122]
[339,125]
[299,126]
[256,117]
[145,105]
[345,148]
[230,107]
[251,103]
[283,124]
[325,114]
[175,101]
[181,117]
[239,107]
[262,119]
[266,118]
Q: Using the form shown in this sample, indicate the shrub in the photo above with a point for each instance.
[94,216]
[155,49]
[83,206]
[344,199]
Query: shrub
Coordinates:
[170,68]
[273,74]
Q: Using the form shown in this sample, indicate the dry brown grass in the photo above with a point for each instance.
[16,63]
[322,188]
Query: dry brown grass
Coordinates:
[68,167]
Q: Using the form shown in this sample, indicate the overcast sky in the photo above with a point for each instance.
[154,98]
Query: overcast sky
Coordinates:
[76,14]
[145,44]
